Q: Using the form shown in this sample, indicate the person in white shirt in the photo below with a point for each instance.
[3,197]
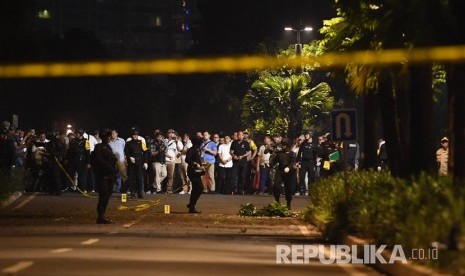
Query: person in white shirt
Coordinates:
[263,164]
[117,145]
[170,157]
[187,144]
[225,167]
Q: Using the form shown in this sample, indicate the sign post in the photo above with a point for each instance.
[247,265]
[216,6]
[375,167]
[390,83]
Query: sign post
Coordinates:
[344,129]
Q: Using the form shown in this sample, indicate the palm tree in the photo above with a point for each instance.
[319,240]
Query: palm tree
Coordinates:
[277,103]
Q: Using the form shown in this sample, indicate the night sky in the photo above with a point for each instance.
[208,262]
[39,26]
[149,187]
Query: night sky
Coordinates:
[186,103]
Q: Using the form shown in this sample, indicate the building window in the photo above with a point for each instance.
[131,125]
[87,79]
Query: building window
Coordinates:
[43,14]
[156,21]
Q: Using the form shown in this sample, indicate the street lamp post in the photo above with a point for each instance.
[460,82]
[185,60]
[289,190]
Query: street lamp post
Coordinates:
[298,45]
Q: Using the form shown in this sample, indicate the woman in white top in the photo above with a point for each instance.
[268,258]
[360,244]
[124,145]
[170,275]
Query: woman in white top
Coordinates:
[225,167]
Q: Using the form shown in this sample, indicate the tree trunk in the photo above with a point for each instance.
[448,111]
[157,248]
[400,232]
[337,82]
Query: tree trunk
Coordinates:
[456,90]
[371,107]
[390,127]
[421,112]
[295,121]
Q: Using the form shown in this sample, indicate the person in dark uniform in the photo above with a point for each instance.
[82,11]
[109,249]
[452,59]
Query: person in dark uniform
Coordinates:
[240,149]
[353,155]
[78,158]
[194,172]
[136,154]
[7,152]
[105,171]
[284,160]
[306,157]
[326,148]
[57,150]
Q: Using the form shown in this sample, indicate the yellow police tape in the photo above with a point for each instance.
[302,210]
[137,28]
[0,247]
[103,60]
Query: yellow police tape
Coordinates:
[449,54]
[137,208]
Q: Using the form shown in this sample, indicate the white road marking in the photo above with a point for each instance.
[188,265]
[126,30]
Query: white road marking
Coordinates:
[89,242]
[26,201]
[61,250]
[17,267]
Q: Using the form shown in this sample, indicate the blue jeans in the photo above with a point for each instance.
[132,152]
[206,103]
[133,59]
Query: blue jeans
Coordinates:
[263,178]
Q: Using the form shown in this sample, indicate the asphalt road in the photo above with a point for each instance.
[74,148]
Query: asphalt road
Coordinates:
[45,235]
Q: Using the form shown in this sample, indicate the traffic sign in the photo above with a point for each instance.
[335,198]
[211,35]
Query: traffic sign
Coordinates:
[344,125]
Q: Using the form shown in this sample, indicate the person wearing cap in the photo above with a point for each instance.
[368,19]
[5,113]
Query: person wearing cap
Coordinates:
[137,136]
[170,159]
[306,157]
[285,161]
[136,154]
[78,159]
[105,170]
[442,157]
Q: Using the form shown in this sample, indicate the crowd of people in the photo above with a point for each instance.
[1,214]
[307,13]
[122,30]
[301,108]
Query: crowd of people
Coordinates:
[231,163]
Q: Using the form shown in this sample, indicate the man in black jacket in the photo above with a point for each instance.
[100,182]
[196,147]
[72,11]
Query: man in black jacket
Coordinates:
[104,164]
[78,158]
[285,159]
[306,157]
[56,149]
[136,154]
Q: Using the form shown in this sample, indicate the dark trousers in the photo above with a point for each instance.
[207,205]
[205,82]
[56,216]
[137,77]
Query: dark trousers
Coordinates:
[135,178]
[281,177]
[264,172]
[105,189]
[197,189]
[306,167]
[55,173]
[223,186]
[239,173]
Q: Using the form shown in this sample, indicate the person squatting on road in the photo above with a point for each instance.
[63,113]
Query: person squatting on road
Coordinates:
[105,170]
[285,159]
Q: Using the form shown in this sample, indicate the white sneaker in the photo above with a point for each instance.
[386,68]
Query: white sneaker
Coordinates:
[148,192]
[182,193]
[189,192]
[297,194]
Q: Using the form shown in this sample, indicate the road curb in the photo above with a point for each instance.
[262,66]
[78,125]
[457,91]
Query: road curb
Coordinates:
[12,198]
[396,268]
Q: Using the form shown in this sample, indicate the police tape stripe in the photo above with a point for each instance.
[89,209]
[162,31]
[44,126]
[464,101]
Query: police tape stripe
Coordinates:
[137,208]
[450,54]
[74,185]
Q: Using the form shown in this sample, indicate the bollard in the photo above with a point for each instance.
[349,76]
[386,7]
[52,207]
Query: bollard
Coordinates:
[123,197]
[167,209]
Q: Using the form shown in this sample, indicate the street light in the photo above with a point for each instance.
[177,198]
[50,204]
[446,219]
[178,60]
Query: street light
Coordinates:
[298,45]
